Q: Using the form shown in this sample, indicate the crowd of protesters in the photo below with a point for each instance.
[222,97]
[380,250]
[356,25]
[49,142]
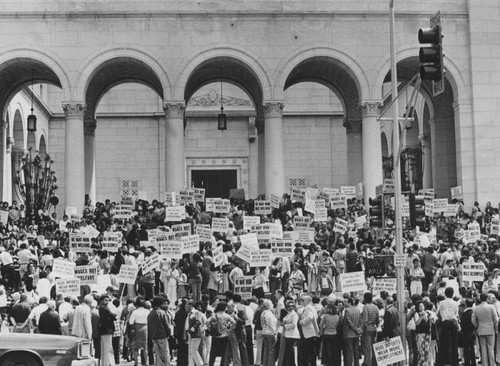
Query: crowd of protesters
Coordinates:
[187,310]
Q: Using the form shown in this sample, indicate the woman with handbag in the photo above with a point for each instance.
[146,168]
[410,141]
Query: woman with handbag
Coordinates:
[291,334]
[330,345]
[219,326]
[422,333]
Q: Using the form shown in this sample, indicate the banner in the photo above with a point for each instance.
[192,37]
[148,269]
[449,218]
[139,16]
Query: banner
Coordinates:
[171,249]
[150,263]
[128,274]
[63,268]
[87,274]
[243,286]
[389,352]
[275,201]
[68,287]
[249,221]
[353,281]
[472,272]
[262,207]
[80,243]
[220,225]
[175,213]
[190,244]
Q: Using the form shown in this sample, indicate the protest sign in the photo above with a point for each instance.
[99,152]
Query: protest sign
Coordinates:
[310,206]
[41,240]
[171,249]
[63,268]
[80,243]
[210,204]
[361,220]
[222,206]
[302,237]
[440,205]
[199,194]
[276,230]
[87,274]
[473,272]
[263,232]
[245,253]
[123,212]
[348,191]
[103,282]
[338,202]
[90,231]
[451,210]
[429,194]
[302,223]
[175,213]
[218,256]
[472,235]
[243,286]
[204,232]
[111,242]
[261,258]
[340,226]
[186,197]
[353,281]
[298,195]
[457,193]
[262,207]
[69,211]
[389,352]
[181,230]
[163,237]
[281,248]
[388,186]
[68,287]
[171,199]
[128,274]
[249,221]
[422,240]
[150,263]
[190,244]
[384,284]
[220,225]
[275,201]
[429,208]
[4,217]
[494,228]
[249,240]
[331,191]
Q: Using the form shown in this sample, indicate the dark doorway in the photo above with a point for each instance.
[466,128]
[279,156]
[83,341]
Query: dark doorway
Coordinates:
[217,183]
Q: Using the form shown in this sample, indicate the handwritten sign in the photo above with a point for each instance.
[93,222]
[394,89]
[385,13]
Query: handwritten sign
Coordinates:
[175,213]
[451,210]
[440,205]
[349,191]
[220,225]
[150,263]
[63,268]
[245,253]
[457,193]
[249,221]
[275,201]
[353,281]
[68,287]
[190,244]
[218,254]
[87,274]
[260,258]
[389,352]
[384,284]
[204,232]
[128,274]
[262,207]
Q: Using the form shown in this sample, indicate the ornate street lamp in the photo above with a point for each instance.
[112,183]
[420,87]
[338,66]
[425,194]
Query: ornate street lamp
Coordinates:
[222,117]
[32,117]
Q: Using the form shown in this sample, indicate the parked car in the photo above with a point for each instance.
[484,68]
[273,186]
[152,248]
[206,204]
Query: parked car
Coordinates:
[24,349]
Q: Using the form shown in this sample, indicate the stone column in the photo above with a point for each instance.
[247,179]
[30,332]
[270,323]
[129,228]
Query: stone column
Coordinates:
[274,162]
[89,127]
[354,152]
[7,179]
[74,167]
[425,141]
[372,148]
[16,156]
[175,161]
[253,158]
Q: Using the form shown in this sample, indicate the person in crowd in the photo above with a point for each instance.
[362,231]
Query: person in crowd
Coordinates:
[19,315]
[485,320]
[159,329]
[259,281]
[330,345]
[259,340]
[106,331]
[194,276]
[139,325]
[391,327]
[269,329]
[468,334]
[49,322]
[195,326]
[219,325]
[95,321]
[351,333]
[423,325]
[82,319]
[448,346]
[369,323]
[416,277]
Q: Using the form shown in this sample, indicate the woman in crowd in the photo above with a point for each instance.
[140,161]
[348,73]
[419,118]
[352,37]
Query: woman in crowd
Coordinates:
[275,276]
[296,281]
[291,334]
[422,333]
[194,276]
[139,323]
[330,345]
[219,326]
[258,283]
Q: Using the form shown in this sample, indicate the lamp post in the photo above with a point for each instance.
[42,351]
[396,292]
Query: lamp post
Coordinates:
[31,120]
[398,228]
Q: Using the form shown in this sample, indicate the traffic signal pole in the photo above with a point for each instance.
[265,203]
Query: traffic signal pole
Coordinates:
[400,283]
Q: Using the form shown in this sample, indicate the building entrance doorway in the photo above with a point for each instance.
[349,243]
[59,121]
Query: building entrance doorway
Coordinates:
[217,183]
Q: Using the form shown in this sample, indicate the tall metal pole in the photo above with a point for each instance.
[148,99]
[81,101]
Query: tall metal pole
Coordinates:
[397,178]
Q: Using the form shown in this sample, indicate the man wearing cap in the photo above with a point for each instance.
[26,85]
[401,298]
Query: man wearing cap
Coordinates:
[416,276]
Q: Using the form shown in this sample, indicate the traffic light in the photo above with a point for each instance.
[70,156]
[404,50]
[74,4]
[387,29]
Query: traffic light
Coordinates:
[431,57]
[417,211]
[376,211]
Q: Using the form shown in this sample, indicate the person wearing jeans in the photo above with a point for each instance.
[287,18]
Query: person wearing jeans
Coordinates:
[195,323]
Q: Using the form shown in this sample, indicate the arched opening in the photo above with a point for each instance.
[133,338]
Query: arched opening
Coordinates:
[42,149]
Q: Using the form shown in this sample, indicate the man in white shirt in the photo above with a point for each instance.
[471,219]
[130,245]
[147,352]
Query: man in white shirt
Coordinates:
[309,324]
[82,324]
[63,311]
[7,265]
[36,312]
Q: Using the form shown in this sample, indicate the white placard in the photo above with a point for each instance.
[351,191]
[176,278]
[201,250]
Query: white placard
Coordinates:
[276,230]
[472,272]
[389,352]
[321,214]
[71,211]
[245,253]
[90,231]
[181,230]
[63,268]
[171,199]
[87,274]
[384,284]
[123,212]
[175,213]
[171,249]
[494,228]
[340,226]
[250,221]
[111,242]
[204,232]
[103,282]
[310,206]
[338,202]
[440,205]
[150,263]
[199,194]
[186,197]
[4,217]
[243,286]
[457,193]
[128,274]
[298,195]
[80,243]
[218,255]
[348,191]
[359,191]
[281,248]
[388,186]
[353,281]
[220,225]
[190,244]
[472,236]
[405,209]
[302,223]
[222,206]
[451,210]
[429,208]
[261,258]
[250,240]
[400,260]
[210,204]
[68,287]
[262,207]
[275,201]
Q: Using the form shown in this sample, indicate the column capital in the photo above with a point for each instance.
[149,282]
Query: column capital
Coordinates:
[273,108]
[370,108]
[89,127]
[353,125]
[11,141]
[174,109]
[73,109]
